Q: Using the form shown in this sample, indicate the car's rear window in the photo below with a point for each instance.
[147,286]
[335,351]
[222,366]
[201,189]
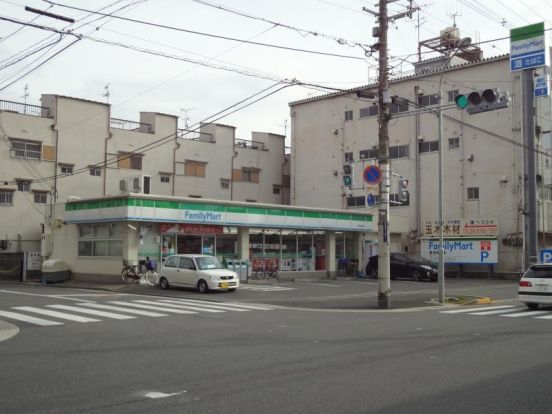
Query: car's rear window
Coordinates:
[536,272]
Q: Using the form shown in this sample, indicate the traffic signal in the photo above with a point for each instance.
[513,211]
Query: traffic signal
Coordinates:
[403,192]
[482,101]
[348,171]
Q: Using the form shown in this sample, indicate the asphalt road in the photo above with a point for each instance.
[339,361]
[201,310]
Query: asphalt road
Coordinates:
[270,360]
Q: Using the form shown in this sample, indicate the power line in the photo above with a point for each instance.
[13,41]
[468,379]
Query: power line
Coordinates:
[233,39]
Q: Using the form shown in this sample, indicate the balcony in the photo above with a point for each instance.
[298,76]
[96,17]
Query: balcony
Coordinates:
[24,109]
[130,125]
[195,136]
[243,143]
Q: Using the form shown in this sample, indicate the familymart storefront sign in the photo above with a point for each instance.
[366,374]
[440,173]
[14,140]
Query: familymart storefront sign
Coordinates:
[226,214]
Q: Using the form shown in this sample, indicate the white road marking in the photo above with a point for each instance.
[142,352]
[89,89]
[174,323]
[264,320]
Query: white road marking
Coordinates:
[494,312]
[29,319]
[203,305]
[477,309]
[226,305]
[56,314]
[544,317]
[121,309]
[157,308]
[181,306]
[260,288]
[92,312]
[526,313]
[155,395]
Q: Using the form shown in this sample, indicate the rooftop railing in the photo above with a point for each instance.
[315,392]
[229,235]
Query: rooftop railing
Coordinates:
[195,136]
[243,143]
[130,125]
[24,109]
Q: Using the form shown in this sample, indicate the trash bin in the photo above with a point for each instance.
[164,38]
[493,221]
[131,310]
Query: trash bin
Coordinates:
[241,267]
[55,271]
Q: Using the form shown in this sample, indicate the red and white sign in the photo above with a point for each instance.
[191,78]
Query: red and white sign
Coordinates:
[462,227]
[184,228]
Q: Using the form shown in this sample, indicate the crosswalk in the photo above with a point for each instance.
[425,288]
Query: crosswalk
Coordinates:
[265,288]
[507,311]
[87,312]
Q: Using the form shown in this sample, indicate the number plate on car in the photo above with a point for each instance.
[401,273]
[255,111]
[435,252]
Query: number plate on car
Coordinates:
[224,285]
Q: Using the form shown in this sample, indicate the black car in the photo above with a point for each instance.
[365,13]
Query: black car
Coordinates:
[405,267]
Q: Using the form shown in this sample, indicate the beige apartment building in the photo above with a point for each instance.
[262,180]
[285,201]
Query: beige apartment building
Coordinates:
[483,162]
[79,185]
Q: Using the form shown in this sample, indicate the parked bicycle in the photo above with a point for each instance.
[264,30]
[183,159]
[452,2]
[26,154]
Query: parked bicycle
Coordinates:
[130,274]
[264,272]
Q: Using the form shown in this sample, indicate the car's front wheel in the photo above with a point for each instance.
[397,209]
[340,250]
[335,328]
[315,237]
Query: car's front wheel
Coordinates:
[416,275]
[202,286]
[532,306]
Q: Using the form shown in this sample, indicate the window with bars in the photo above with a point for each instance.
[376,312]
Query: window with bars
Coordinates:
[24,185]
[473,193]
[428,100]
[398,151]
[428,146]
[349,115]
[25,149]
[454,143]
[6,198]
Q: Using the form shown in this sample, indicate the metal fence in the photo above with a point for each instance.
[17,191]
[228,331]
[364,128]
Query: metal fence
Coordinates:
[21,108]
[130,125]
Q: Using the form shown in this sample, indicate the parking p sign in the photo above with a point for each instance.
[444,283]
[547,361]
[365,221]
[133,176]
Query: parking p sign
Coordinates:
[545,255]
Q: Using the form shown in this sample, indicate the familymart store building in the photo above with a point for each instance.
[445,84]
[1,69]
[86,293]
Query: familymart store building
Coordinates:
[98,234]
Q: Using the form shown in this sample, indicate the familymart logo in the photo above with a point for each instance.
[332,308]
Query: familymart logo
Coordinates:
[202,216]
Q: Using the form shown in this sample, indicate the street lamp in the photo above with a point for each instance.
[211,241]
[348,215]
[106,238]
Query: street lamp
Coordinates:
[466,41]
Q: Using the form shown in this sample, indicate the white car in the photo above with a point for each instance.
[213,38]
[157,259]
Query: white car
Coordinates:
[202,272]
[535,287]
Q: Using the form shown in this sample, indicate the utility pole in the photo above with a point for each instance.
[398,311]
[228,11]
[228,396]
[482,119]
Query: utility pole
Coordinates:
[384,100]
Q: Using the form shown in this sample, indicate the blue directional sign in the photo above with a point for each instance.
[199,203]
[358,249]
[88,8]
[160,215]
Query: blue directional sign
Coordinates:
[541,84]
[372,175]
[545,255]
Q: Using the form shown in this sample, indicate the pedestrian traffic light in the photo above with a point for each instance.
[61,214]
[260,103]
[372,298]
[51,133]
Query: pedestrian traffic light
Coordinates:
[348,175]
[403,192]
[482,101]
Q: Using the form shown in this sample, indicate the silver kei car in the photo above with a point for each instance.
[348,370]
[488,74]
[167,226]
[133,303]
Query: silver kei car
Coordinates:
[535,286]
[198,271]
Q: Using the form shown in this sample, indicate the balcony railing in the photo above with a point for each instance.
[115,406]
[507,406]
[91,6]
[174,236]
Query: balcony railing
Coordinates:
[243,143]
[21,108]
[195,136]
[130,125]
[24,153]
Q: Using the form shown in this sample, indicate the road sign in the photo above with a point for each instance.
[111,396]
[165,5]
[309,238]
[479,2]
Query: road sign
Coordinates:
[541,82]
[528,47]
[545,255]
[370,199]
[372,175]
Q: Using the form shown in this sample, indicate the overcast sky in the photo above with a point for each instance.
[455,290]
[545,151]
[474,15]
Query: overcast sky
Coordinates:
[140,81]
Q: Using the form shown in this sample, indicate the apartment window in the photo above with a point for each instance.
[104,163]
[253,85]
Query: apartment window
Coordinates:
[428,100]
[356,201]
[130,161]
[66,169]
[369,153]
[395,200]
[24,185]
[276,189]
[40,197]
[453,94]
[348,157]
[195,168]
[473,193]
[224,183]
[165,178]
[397,107]
[95,171]
[371,110]
[454,143]
[250,175]
[25,149]
[100,240]
[399,151]
[348,115]
[6,197]
[428,146]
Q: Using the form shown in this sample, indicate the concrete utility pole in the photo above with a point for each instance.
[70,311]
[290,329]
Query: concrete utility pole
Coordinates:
[384,274]
[530,182]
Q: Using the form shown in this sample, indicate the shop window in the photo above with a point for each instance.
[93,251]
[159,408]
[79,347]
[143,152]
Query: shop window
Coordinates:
[100,240]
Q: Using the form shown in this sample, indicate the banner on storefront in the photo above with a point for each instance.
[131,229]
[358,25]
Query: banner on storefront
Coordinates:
[462,251]
[462,227]
[182,228]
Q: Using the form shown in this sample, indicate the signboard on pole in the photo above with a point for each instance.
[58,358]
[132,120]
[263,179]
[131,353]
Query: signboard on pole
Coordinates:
[372,175]
[528,47]
[541,82]
[462,250]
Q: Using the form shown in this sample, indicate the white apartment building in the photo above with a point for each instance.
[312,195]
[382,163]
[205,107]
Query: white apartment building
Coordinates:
[483,160]
[79,185]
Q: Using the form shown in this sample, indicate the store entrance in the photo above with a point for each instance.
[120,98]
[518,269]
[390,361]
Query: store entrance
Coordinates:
[188,244]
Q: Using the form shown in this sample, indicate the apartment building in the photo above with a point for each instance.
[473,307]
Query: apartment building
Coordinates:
[483,200]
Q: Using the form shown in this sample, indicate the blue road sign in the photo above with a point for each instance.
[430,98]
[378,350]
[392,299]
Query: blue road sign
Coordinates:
[545,255]
[372,175]
[370,199]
